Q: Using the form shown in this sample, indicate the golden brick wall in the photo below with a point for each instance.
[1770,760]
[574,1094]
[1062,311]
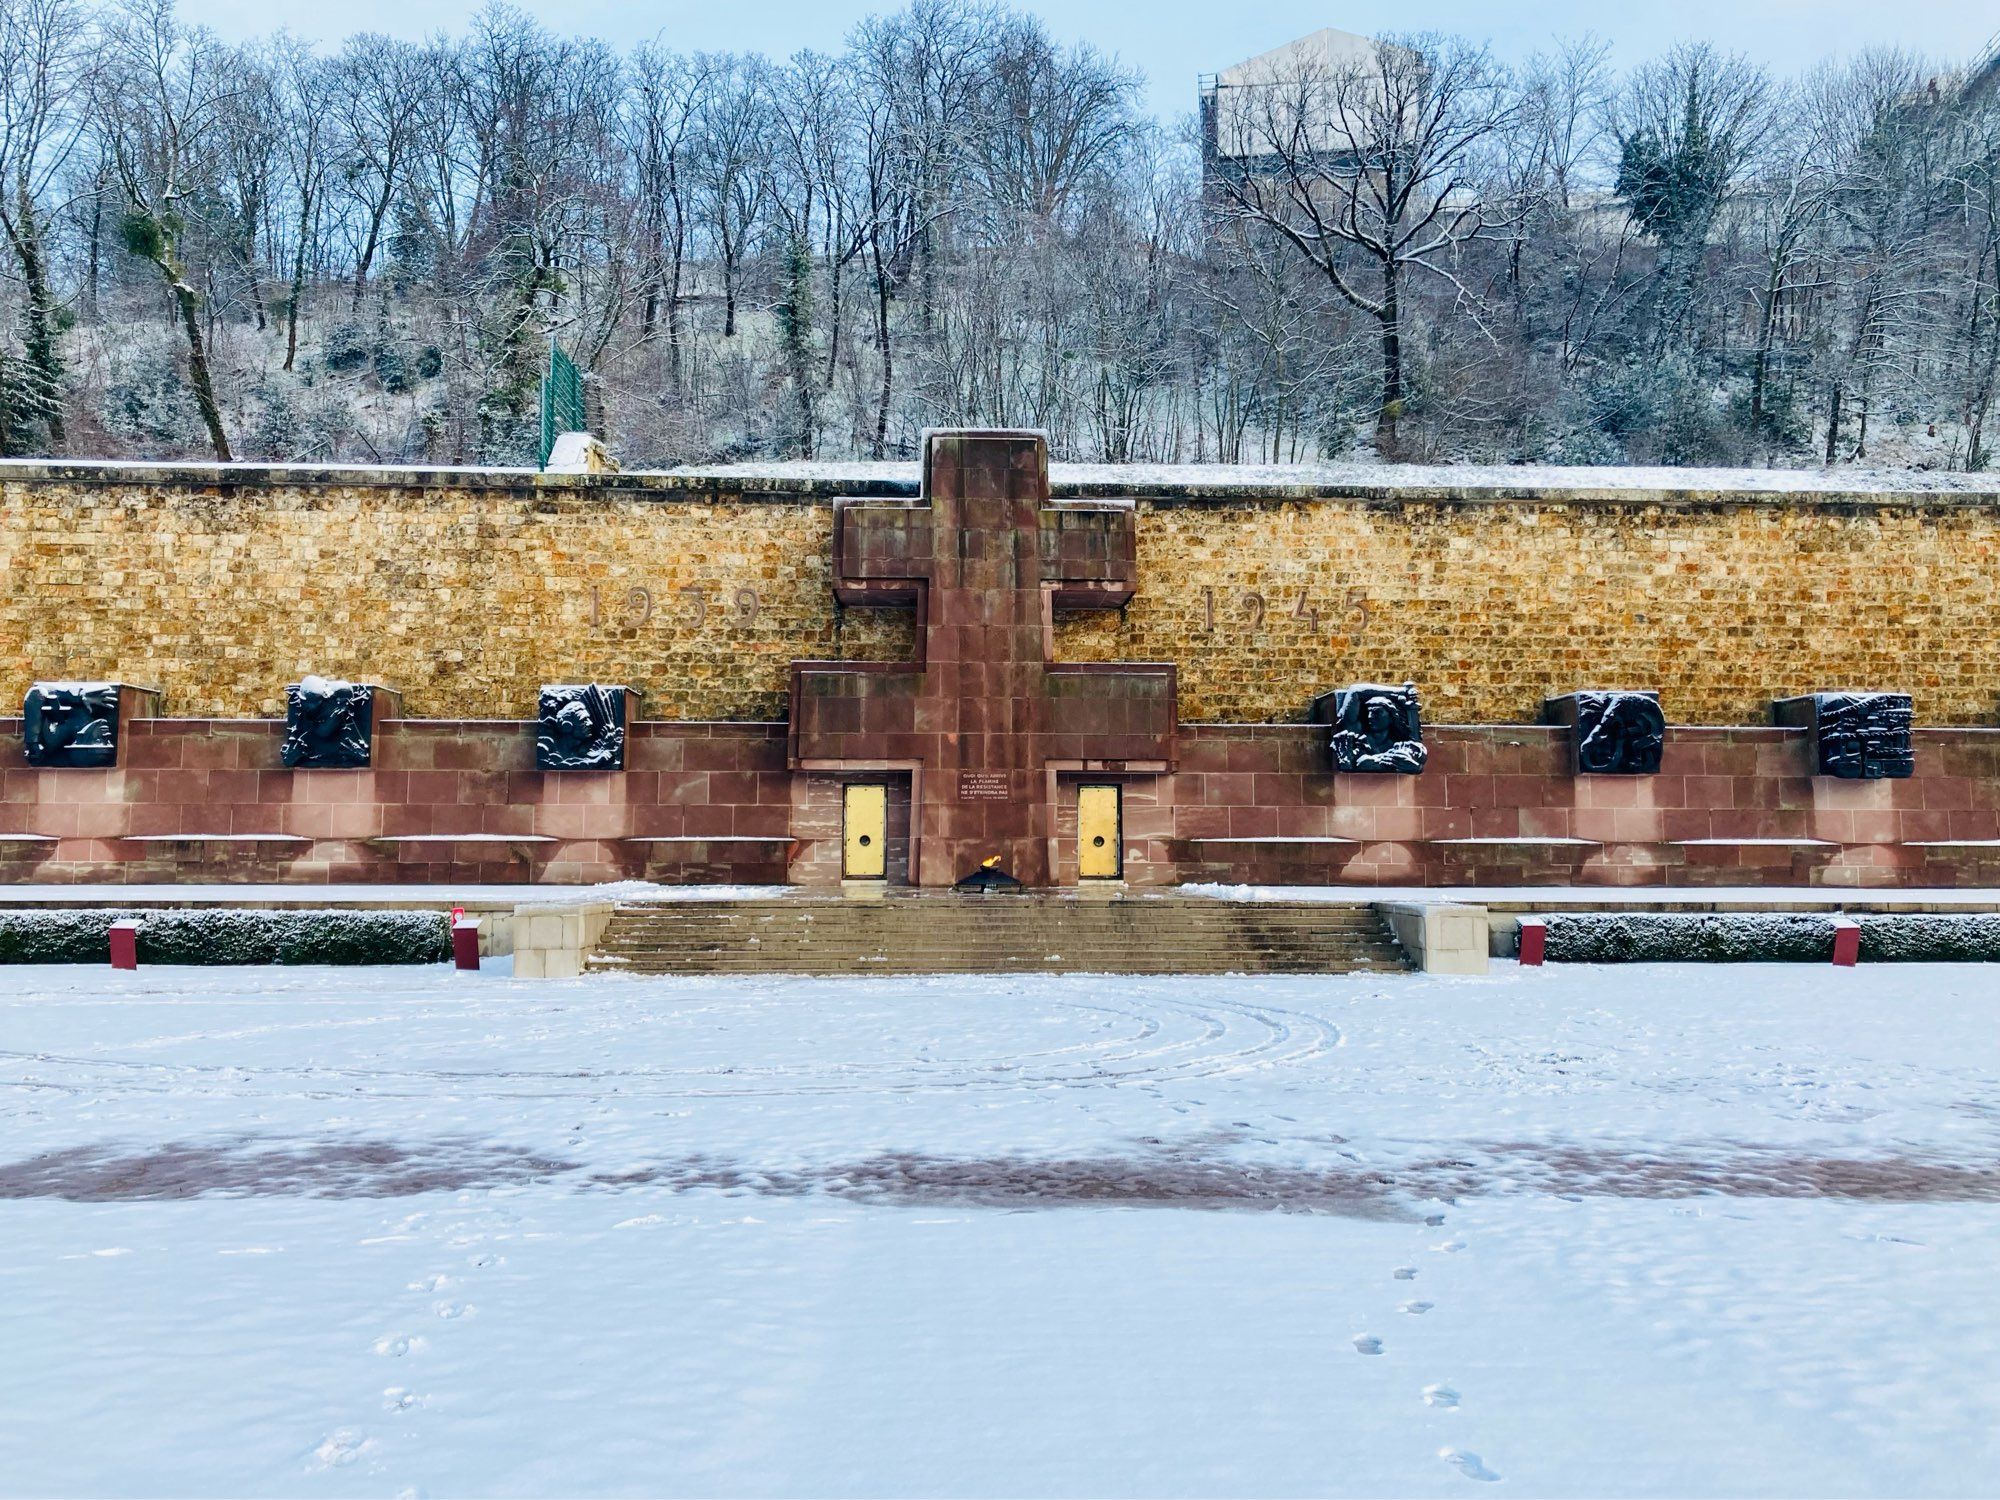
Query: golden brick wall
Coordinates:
[466,597]
[465,600]
[1491,606]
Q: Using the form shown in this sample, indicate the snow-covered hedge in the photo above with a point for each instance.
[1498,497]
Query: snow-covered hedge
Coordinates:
[1920,937]
[1764,937]
[229,937]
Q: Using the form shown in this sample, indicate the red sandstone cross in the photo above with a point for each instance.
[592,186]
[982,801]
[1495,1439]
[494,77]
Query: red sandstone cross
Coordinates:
[982,719]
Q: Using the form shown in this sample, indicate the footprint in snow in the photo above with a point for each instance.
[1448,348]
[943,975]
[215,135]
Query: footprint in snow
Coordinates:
[396,1345]
[1467,1464]
[1435,1221]
[1440,1395]
[431,1284]
[399,1398]
[1367,1343]
[341,1449]
[1416,1307]
[1406,1273]
[1449,1247]
[453,1309]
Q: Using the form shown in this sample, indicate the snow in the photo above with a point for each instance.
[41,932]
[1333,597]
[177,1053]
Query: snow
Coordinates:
[1646,1231]
[1666,898]
[1503,480]
[431,894]
[1500,479]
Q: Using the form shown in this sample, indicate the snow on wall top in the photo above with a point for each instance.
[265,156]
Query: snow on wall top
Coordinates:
[1190,483]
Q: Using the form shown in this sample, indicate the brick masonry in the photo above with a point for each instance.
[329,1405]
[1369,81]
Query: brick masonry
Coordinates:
[202,799]
[207,800]
[467,591]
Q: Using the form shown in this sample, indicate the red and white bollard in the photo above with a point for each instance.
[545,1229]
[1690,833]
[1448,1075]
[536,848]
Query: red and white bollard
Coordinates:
[464,941]
[1534,941]
[125,945]
[1846,942]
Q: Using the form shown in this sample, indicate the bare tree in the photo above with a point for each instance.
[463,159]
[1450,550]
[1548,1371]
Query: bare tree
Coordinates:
[251,125]
[1371,168]
[45,80]
[732,147]
[1050,122]
[160,102]
[377,102]
[1884,190]
[309,88]
[662,91]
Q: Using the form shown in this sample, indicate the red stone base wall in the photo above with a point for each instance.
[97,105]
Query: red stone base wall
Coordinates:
[1497,805]
[450,802]
[461,802]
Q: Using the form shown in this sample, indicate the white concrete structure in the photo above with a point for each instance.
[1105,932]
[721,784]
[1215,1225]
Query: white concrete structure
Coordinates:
[1442,938]
[551,941]
[1239,107]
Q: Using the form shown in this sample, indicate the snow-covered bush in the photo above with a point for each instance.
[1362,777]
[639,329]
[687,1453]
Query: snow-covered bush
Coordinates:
[147,402]
[216,936]
[1764,937]
[1920,937]
[56,937]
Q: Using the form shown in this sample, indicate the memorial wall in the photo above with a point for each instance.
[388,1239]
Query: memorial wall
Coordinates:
[1431,678]
[469,590]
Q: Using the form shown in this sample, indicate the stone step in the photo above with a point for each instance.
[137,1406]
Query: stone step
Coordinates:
[933,935]
[981,963]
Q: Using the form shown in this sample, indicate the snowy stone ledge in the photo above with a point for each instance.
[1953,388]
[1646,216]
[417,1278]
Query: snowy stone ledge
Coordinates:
[1165,483]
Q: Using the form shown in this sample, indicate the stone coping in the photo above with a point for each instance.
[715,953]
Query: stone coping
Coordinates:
[1194,484]
[10,728]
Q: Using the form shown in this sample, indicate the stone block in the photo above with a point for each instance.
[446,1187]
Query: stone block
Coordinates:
[330,723]
[1443,938]
[76,725]
[581,727]
[1855,736]
[1375,729]
[1611,733]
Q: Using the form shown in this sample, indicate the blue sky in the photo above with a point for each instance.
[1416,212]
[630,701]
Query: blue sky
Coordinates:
[1172,41]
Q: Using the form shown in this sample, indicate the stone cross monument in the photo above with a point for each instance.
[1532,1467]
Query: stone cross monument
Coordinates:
[983,721]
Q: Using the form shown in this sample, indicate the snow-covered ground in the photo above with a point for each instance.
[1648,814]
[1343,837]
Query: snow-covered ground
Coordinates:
[1575,1231]
[431,894]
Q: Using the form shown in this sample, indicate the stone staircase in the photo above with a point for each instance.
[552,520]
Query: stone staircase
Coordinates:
[949,934]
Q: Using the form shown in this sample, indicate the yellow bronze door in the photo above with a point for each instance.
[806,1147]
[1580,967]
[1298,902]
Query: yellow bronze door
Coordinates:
[1098,834]
[864,832]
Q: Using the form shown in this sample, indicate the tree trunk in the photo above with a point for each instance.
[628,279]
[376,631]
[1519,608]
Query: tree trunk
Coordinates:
[298,282]
[1760,367]
[377,211]
[43,364]
[1833,423]
[1386,440]
[189,303]
[833,318]
[96,239]
[882,338]
[728,290]
[675,334]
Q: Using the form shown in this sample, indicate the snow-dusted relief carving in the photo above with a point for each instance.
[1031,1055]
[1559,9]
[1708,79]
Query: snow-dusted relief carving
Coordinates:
[1618,734]
[1376,728]
[71,724]
[329,724]
[582,728]
[1864,736]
